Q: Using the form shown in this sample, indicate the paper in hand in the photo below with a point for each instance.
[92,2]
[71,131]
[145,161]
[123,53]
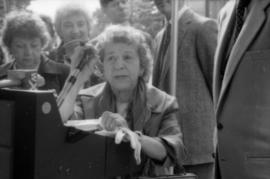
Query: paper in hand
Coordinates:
[87,125]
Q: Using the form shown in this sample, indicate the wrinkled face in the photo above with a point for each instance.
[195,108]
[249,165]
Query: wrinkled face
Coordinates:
[73,27]
[121,66]
[26,52]
[117,11]
[164,6]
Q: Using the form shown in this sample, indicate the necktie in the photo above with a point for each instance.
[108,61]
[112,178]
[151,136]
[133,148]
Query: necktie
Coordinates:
[240,12]
[165,42]
[161,54]
[239,21]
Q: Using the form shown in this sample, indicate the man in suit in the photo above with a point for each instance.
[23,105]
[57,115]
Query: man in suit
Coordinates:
[242,90]
[196,47]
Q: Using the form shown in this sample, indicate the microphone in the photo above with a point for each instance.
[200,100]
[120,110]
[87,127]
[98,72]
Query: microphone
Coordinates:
[88,55]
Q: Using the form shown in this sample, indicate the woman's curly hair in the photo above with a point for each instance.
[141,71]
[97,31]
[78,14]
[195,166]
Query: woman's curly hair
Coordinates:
[23,24]
[128,35]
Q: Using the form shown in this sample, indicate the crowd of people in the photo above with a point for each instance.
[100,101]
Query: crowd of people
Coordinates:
[215,125]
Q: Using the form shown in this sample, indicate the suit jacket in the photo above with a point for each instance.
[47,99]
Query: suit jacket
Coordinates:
[196,48]
[242,98]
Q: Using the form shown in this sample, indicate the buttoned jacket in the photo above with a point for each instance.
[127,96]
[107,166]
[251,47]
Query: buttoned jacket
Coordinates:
[242,95]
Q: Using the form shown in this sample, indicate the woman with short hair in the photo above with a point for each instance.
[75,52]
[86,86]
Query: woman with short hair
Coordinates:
[73,25]
[24,35]
[126,102]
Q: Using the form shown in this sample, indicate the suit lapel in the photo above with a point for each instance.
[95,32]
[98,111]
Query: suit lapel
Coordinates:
[253,24]
[224,37]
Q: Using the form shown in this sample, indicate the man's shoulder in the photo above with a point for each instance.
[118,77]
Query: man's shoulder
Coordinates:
[197,20]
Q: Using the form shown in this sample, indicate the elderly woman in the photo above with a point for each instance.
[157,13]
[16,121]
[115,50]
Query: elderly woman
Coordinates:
[24,35]
[125,100]
[72,24]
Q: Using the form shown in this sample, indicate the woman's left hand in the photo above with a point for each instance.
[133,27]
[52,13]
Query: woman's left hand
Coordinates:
[125,134]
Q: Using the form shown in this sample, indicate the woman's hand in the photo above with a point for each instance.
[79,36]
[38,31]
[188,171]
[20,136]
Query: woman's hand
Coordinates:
[36,80]
[112,121]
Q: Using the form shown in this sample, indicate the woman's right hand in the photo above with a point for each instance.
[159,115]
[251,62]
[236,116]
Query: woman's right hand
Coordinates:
[112,121]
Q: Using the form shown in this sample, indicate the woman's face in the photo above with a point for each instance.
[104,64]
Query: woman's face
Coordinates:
[121,66]
[73,27]
[26,52]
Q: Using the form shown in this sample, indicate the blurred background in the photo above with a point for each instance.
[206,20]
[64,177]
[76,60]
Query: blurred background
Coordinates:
[144,14]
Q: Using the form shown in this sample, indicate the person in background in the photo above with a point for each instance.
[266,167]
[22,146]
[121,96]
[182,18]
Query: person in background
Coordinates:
[242,90]
[24,35]
[73,26]
[118,12]
[147,113]
[197,39]
[53,37]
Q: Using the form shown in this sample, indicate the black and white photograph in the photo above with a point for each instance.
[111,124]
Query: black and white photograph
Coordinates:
[134,89]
